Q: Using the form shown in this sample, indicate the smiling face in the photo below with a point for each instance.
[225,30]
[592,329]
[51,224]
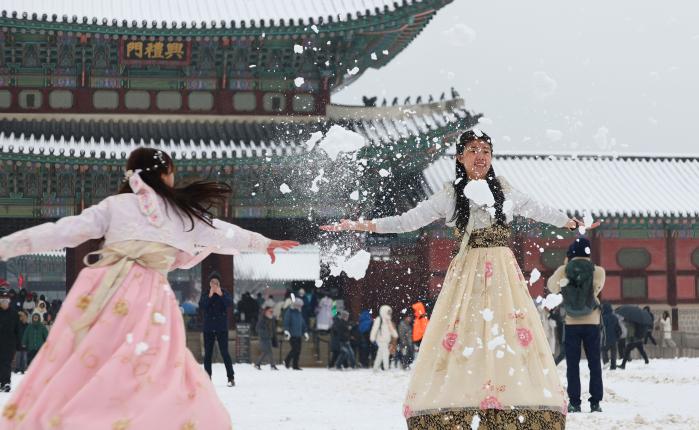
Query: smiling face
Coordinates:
[476,159]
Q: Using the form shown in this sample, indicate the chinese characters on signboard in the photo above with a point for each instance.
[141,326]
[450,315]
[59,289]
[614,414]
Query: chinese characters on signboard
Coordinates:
[145,52]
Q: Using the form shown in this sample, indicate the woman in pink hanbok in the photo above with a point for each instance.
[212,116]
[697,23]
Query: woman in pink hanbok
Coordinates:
[116,357]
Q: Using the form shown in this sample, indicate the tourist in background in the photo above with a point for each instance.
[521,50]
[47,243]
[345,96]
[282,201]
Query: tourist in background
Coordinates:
[214,305]
[10,341]
[580,282]
[383,333]
[612,331]
[34,337]
[406,347]
[294,328]
[666,327]
[21,355]
[267,332]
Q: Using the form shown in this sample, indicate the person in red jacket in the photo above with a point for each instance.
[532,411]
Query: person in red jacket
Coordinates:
[420,322]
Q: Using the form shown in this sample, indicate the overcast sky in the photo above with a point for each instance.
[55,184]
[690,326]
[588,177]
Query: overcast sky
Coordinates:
[597,75]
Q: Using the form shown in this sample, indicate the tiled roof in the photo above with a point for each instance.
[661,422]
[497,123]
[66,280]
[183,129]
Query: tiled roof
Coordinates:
[162,13]
[113,137]
[605,185]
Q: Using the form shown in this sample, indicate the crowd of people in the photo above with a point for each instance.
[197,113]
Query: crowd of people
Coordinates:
[25,320]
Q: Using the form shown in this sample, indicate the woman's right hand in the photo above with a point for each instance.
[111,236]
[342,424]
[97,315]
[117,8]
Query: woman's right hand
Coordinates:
[349,225]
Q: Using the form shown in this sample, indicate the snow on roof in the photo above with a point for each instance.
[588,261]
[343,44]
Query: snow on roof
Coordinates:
[606,185]
[201,11]
[299,264]
[112,137]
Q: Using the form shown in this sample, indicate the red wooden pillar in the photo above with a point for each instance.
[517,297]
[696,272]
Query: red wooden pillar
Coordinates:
[670,252]
[74,260]
[223,265]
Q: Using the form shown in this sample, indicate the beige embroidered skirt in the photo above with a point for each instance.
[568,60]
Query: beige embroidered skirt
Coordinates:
[484,361]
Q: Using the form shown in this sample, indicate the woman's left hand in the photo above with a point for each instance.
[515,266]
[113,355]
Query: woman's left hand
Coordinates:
[280,244]
[574,224]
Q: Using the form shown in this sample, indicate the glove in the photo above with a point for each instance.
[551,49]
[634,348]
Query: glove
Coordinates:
[287,335]
[305,336]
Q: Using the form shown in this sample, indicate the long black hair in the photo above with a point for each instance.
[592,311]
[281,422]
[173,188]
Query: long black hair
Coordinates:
[462,211]
[194,200]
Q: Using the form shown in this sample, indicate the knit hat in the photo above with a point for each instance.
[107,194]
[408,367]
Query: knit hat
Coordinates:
[579,248]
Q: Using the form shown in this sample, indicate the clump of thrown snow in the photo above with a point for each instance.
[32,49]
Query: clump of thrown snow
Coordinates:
[552,300]
[339,140]
[284,189]
[354,267]
[535,276]
[479,192]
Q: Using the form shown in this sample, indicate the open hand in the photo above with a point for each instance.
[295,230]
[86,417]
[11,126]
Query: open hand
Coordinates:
[280,244]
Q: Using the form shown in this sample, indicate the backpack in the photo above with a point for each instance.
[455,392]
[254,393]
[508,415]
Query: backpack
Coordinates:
[578,294]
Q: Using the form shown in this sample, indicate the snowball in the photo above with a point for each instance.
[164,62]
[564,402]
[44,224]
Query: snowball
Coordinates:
[353,71]
[479,192]
[587,250]
[554,135]
[141,347]
[318,283]
[298,82]
[459,35]
[475,422]
[487,314]
[385,52]
[314,28]
[339,140]
[384,173]
[500,340]
[553,300]
[374,56]
[467,351]
[298,49]
[159,318]
[521,419]
[355,267]
[315,138]
[354,195]
[284,189]
[535,276]
[314,183]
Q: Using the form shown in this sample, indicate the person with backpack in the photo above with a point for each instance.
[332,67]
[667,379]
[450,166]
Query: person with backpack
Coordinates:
[364,328]
[580,282]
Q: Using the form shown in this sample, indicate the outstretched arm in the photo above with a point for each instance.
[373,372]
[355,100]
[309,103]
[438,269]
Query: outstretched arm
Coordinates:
[229,238]
[424,213]
[527,207]
[67,232]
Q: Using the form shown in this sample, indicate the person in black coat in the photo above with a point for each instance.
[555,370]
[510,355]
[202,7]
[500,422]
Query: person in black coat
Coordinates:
[612,331]
[214,304]
[9,338]
[340,341]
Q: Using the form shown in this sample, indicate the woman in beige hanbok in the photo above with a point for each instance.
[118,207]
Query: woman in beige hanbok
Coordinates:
[484,361]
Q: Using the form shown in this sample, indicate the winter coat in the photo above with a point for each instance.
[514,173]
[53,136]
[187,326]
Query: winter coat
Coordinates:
[324,310]
[34,336]
[365,322]
[612,330]
[9,329]
[310,303]
[22,327]
[294,322]
[420,321]
[214,311]
[266,328]
[383,330]
[666,327]
[405,333]
[340,333]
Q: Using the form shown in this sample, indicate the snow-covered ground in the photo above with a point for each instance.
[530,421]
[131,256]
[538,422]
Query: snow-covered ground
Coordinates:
[661,395]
